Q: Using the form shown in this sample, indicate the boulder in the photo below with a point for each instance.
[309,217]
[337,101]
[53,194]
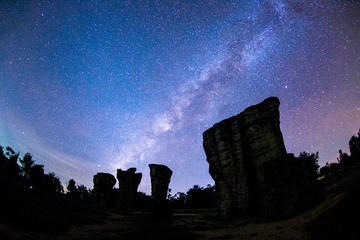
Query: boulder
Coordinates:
[128,185]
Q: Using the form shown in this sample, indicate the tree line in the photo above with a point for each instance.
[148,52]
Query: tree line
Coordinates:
[24,173]
[344,160]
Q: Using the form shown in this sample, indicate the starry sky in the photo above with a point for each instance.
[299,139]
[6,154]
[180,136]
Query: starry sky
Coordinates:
[93,86]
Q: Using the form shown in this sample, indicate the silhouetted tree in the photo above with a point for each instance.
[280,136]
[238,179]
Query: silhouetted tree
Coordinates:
[36,176]
[313,157]
[26,163]
[169,196]
[329,168]
[344,159]
[178,200]
[198,197]
[334,167]
[84,192]
[5,182]
[3,158]
[325,170]
[11,165]
[354,145]
[72,189]
[143,201]
[52,183]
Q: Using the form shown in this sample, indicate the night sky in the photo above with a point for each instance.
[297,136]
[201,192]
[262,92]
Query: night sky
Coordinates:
[90,87]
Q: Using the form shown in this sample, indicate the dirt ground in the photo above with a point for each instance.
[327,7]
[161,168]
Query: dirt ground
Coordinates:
[198,224]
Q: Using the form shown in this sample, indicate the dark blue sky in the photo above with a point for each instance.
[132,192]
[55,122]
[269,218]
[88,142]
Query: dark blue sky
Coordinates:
[89,86]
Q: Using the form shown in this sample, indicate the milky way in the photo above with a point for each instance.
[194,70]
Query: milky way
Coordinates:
[90,87]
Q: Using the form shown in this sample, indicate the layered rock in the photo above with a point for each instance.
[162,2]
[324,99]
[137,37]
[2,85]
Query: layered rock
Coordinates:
[128,185]
[103,184]
[244,153]
[160,179]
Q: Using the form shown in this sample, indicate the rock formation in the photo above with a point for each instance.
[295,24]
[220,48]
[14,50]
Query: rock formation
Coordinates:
[160,179]
[128,185]
[242,152]
[103,184]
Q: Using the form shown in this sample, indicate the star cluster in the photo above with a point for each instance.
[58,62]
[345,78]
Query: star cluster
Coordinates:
[92,86]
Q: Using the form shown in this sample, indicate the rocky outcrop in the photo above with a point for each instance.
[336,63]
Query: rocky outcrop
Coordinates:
[241,152]
[160,179]
[103,184]
[128,185]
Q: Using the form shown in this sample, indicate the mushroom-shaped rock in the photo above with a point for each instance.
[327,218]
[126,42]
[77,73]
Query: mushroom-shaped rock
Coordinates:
[103,184]
[128,184]
[160,179]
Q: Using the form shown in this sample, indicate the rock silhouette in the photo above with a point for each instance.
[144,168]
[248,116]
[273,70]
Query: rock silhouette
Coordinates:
[160,179]
[103,184]
[244,153]
[128,185]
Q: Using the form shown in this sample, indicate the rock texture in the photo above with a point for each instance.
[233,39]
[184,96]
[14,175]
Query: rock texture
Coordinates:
[128,185]
[103,184]
[160,179]
[244,153]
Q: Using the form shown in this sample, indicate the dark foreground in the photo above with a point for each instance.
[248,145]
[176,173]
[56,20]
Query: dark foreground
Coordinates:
[337,217]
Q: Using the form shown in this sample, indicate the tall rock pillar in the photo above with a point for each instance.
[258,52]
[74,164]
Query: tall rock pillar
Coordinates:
[236,148]
[128,185]
[103,184]
[160,179]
